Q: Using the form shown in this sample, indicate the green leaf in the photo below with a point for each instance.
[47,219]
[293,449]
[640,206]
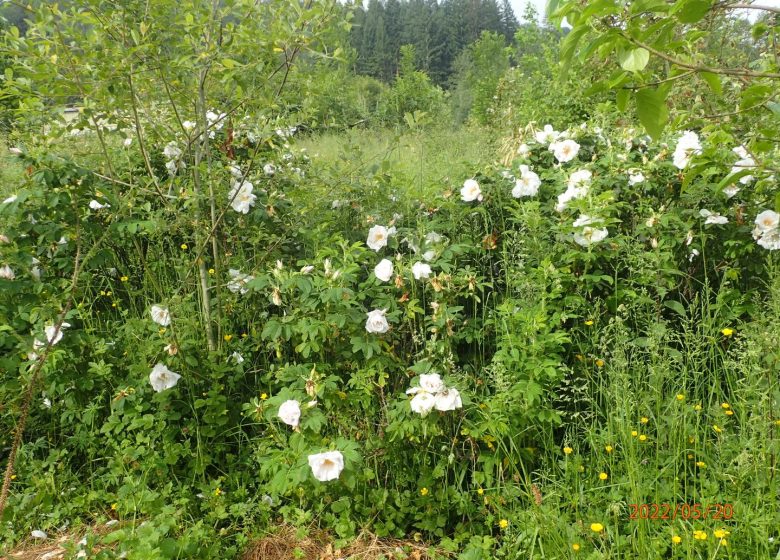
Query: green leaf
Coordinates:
[713,80]
[692,10]
[569,47]
[634,60]
[622,99]
[652,112]
[675,306]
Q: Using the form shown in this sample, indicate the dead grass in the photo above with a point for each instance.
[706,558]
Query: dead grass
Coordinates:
[56,548]
[286,544]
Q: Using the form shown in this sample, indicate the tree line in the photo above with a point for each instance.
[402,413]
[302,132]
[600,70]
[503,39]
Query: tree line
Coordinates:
[439,31]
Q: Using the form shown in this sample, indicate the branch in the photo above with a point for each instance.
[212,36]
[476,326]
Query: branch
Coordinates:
[749,7]
[698,67]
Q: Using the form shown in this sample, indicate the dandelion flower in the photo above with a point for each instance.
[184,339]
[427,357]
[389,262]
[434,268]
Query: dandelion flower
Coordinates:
[596,527]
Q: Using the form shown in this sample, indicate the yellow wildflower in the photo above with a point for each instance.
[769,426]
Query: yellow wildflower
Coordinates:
[503,523]
[423,491]
[644,419]
[568,450]
[680,397]
[608,448]
[603,476]
[700,535]
[727,331]
[575,547]
[643,437]
[596,527]
[600,363]
[676,539]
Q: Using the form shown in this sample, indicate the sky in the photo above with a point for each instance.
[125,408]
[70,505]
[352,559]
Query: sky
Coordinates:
[519,5]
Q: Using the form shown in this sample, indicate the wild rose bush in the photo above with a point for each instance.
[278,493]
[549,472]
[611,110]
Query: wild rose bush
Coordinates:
[381,360]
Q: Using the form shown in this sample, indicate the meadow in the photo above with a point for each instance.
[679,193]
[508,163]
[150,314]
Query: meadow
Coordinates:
[266,298]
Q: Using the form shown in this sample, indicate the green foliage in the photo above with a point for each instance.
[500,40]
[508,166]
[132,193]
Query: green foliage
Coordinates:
[611,338]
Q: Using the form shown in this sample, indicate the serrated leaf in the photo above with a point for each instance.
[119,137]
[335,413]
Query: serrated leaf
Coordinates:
[652,112]
[634,60]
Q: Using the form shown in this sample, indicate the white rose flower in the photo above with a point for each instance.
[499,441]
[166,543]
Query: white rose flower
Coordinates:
[238,281]
[127,142]
[189,126]
[635,178]
[713,217]
[688,145]
[731,191]
[235,171]
[767,220]
[47,402]
[378,236]
[746,161]
[449,399]
[547,135]
[579,178]
[95,205]
[590,235]
[269,169]
[422,403]
[326,466]
[161,315]
[10,199]
[241,197]
[384,270]
[7,273]
[421,270]
[431,382]
[290,413]
[585,220]
[429,255]
[565,151]
[377,322]
[470,191]
[237,357]
[528,183]
[523,150]
[172,151]
[54,334]
[770,240]
[433,237]
[162,378]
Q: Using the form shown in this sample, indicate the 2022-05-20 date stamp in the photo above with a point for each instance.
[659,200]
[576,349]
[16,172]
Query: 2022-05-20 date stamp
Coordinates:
[681,511]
